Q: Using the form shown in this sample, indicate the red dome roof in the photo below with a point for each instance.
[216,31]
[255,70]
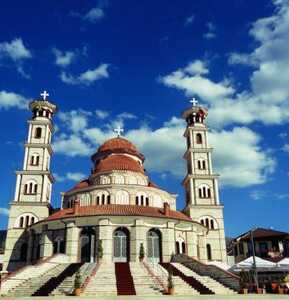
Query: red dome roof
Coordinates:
[117,143]
[118,162]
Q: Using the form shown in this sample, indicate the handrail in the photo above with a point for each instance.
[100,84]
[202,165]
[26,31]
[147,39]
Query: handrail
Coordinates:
[88,278]
[154,270]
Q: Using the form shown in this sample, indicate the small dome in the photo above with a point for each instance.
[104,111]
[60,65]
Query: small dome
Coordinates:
[118,162]
[117,143]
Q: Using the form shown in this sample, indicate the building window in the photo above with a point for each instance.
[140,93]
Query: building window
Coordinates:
[209,222]
[204,191]
[241,248]
[35,158]
[30,188]
[21,222]
[103,198]
[199,139]
[38,132]
[209,252]
[142,199]
[212,224]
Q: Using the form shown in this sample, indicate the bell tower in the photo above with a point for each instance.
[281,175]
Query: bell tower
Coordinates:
[201,183]
[32,196]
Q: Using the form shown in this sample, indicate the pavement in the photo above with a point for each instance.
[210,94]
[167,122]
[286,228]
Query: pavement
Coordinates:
[202,297]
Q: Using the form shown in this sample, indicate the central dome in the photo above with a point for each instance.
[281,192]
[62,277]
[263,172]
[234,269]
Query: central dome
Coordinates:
[117,143]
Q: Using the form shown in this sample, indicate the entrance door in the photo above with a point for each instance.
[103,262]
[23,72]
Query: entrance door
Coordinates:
[154,246]
[120,246]
[87,244]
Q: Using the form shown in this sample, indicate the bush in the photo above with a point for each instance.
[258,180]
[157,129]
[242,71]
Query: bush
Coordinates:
[170,278]
[77,280]
[99,249]
[141,252]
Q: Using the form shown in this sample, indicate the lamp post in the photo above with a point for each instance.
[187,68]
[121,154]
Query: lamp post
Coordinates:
[254,258]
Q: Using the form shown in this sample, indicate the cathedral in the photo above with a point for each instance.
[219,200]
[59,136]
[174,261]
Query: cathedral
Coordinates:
[117,212]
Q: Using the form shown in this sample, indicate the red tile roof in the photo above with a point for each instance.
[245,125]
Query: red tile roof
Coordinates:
[117,210]
[117,143]
[118,162]
[260,233]
[82,184]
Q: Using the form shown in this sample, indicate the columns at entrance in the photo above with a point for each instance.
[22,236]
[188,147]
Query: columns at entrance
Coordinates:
[46,245]
[105,234]
[72,242]
[168,241]
[138,236]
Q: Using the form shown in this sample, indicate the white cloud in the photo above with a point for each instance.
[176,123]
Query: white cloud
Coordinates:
[285,148]
[76,120]
[258,195]
[70,176]
[211,33]
[189,20]
[126,115]
[15,50]
[88,77]
[10,100]
[71,146]
[4,211]
[63,58]
[190,80]
[101,114]
[94,15]
[241,59]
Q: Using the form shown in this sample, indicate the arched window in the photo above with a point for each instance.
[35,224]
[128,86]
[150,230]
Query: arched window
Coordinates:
[32,220]
[183,248]
[199,139]
[30,188]
[21,222]
[204,165]
[209,252]
[34,161]
[103,199]
[202,222]
[38,132]
[26,221]
[122,197]
[199,165]
[212,223]
[97,200]
[207,222]
[147,201]
[136,200]
[108,199]
[142,199]
[204,191]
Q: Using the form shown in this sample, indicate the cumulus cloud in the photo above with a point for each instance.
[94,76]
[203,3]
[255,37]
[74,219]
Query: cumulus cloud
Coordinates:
[76,120]
[15,50]
[164,148]
[71,145]
[285,148]
[190,79]
[101,114]
[4,211]
[94,15]
[86,78]
[189,20]
[70,176]
[211,31]
[12,100]
[63,58]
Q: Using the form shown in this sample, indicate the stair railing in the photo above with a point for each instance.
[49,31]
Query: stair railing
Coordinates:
[157,273]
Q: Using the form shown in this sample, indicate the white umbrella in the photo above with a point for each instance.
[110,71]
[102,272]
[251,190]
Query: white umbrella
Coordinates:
[248,263]
[284,262]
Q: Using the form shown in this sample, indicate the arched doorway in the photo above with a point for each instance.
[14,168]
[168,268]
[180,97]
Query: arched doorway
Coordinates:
[121,244]
[87,245]
[154,244]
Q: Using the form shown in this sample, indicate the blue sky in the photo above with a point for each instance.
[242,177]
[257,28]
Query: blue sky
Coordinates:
[136,64]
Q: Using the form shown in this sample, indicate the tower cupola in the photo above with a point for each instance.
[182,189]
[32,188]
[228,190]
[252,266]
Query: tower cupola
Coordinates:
[42,108]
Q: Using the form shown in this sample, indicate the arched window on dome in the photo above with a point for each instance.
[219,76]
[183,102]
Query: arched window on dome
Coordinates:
[122,197]
[103,198]
[142,199]
[105,180]
[25,220]
[119,179]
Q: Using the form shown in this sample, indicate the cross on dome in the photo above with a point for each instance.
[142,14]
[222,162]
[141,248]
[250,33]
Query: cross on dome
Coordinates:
[44,94]
[194,101]
[118,130]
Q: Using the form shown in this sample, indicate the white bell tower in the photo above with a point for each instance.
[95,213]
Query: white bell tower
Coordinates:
[32,197]
[201,183]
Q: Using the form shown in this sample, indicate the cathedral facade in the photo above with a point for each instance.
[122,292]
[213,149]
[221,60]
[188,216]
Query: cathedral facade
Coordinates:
[117,212]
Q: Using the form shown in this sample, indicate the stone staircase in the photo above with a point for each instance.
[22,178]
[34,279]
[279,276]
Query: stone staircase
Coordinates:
[181,287]
[224,277]
[207,281]
[30,286]
[103,283]
[143,282]
[66,287]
